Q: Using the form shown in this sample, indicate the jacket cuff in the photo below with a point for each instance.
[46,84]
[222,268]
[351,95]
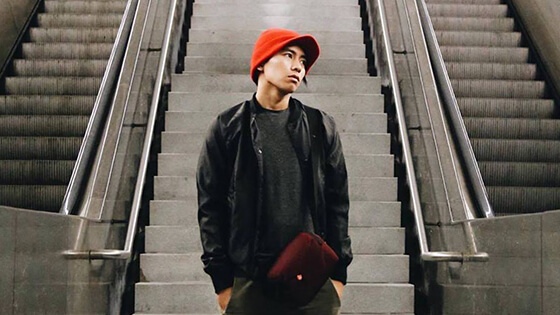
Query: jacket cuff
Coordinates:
[222,281]
[340,274]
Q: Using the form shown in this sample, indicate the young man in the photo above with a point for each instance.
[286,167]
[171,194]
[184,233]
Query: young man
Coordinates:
[257,187]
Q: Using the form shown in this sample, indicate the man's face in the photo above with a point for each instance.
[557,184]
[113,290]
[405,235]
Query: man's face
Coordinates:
[286,69]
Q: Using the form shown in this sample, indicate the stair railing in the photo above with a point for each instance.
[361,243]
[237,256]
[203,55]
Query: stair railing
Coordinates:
[96,122]
[127,250]
[457,125]
[425,253]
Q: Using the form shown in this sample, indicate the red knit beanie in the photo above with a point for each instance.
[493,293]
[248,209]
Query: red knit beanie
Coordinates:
[272,40]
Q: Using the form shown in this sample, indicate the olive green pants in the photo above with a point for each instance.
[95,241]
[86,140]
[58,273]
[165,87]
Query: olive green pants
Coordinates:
[247,298]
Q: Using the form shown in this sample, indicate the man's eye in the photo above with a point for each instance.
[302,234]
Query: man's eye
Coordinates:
[289,55]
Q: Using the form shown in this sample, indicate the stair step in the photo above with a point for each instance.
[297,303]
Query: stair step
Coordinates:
[377,240]
[307,23]
[186,239]
[36,172]
[53,85]
[365,143]
[485,54]
[172,267]
[373,189]
[172,239]
[331,103]
[336,37]
[85,6]
[520,174]
[242,83]
[504,199]
[276,9]
[49,20]
[86,68]
[346,122]
[238,50]
[373,298]
[46,105]
[47,148]
[66,50]
[43,125]
[515,150]
[195,297]
[507,107]
[513,128]
[491,71]
[468,10]
[188,267]
[374,214]
[226,65]
[473,24]
[499,88]
[173,212]
[181,142]
[36,197]
[369,165]
[362,213]
[65,35]
[361,188]
[479,39]
[379,269]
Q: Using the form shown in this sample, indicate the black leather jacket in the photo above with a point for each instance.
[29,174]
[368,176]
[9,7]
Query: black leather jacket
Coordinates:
[229,177]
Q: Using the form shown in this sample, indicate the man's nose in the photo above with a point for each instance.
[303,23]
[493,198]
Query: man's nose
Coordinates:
[297,66]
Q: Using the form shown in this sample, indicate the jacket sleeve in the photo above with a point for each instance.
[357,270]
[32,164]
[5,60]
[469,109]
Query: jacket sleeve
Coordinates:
[213,213]
[336,200]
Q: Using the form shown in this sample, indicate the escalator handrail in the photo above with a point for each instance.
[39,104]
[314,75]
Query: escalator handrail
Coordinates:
[425,253]
[457,125]
[97,118]
[126,252]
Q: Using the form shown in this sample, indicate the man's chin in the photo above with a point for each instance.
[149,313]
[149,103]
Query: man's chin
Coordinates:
[290,89]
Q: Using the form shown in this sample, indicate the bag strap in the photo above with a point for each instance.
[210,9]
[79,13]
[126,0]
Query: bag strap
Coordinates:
[317,155]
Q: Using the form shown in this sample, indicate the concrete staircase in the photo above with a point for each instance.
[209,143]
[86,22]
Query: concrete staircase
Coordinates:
[216,77]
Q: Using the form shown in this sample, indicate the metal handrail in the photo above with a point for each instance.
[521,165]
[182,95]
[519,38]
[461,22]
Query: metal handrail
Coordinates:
[459,130]
[126,252]
[425,253]
[101,105]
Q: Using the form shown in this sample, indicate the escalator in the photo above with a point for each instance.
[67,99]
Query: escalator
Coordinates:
[507,106]
[49,93]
